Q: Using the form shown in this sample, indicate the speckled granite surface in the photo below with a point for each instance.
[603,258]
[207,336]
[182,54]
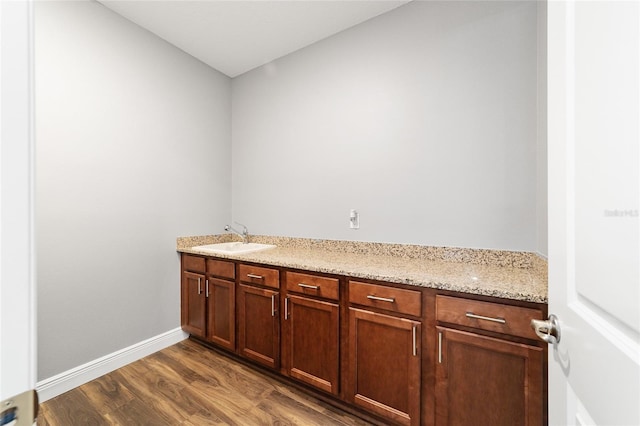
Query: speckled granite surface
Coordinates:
[504,274]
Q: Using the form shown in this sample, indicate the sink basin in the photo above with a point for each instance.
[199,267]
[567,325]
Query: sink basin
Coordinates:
[234,248]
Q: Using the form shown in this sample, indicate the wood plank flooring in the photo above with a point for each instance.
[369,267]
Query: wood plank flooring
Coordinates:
[188,384]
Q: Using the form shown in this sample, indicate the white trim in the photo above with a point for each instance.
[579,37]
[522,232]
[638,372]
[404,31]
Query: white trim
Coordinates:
[63,382]
[33,288]
[17,280]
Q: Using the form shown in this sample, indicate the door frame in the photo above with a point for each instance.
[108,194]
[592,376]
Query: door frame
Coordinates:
[18,350]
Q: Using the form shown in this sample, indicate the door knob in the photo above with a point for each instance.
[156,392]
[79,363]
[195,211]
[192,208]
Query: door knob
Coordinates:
[549,330]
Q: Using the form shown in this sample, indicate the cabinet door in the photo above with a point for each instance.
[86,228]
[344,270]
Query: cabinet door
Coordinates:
[384,365]
[312,342]
[221,302]
[259,326]
[483,380]
[193,304]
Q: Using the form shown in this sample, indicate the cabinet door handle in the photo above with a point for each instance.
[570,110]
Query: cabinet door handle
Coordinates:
[206,288]
[273,305]
[381,299]
[286,307]
[312,287]
[199,286]
[415,344]
[257,277]
[474,316]
[440,348]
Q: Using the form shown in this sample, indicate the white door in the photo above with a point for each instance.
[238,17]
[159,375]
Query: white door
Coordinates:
[17,299]
[594,192]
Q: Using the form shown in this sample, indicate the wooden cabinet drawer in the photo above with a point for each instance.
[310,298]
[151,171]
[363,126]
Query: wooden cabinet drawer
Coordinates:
[193,263]
[390,298]
[313,285]
[259,275]
[512,320]
[221,268]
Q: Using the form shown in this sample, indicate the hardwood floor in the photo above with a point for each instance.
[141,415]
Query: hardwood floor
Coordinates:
[188,384]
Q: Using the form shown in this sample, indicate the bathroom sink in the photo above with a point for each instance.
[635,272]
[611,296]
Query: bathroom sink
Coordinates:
[234,248]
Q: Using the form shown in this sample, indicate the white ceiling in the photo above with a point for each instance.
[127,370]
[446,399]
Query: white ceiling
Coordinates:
[235,36]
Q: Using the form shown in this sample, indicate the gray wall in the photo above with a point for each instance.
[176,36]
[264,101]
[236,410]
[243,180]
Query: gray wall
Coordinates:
[541,160]
[423,119]
[133,149]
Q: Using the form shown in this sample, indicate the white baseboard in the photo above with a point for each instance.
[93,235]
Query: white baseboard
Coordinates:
[63,382]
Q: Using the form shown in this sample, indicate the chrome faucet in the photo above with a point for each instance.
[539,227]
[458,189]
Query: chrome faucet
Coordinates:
[244,234]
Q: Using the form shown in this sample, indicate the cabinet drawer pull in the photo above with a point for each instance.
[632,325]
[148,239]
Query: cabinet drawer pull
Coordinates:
[415,345]
[199,286]
[474,316]
[257,277]
[286,307]
[312,287]
[381,299]
[273,305]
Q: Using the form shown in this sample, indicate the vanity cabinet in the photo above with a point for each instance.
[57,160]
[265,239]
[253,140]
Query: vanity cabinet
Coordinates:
[311,330]
[258,315]
[404,355]
[384,372]
[487,372]
[193,313]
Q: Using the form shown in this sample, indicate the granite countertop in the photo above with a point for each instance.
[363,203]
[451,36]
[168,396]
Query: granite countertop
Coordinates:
[504,274]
